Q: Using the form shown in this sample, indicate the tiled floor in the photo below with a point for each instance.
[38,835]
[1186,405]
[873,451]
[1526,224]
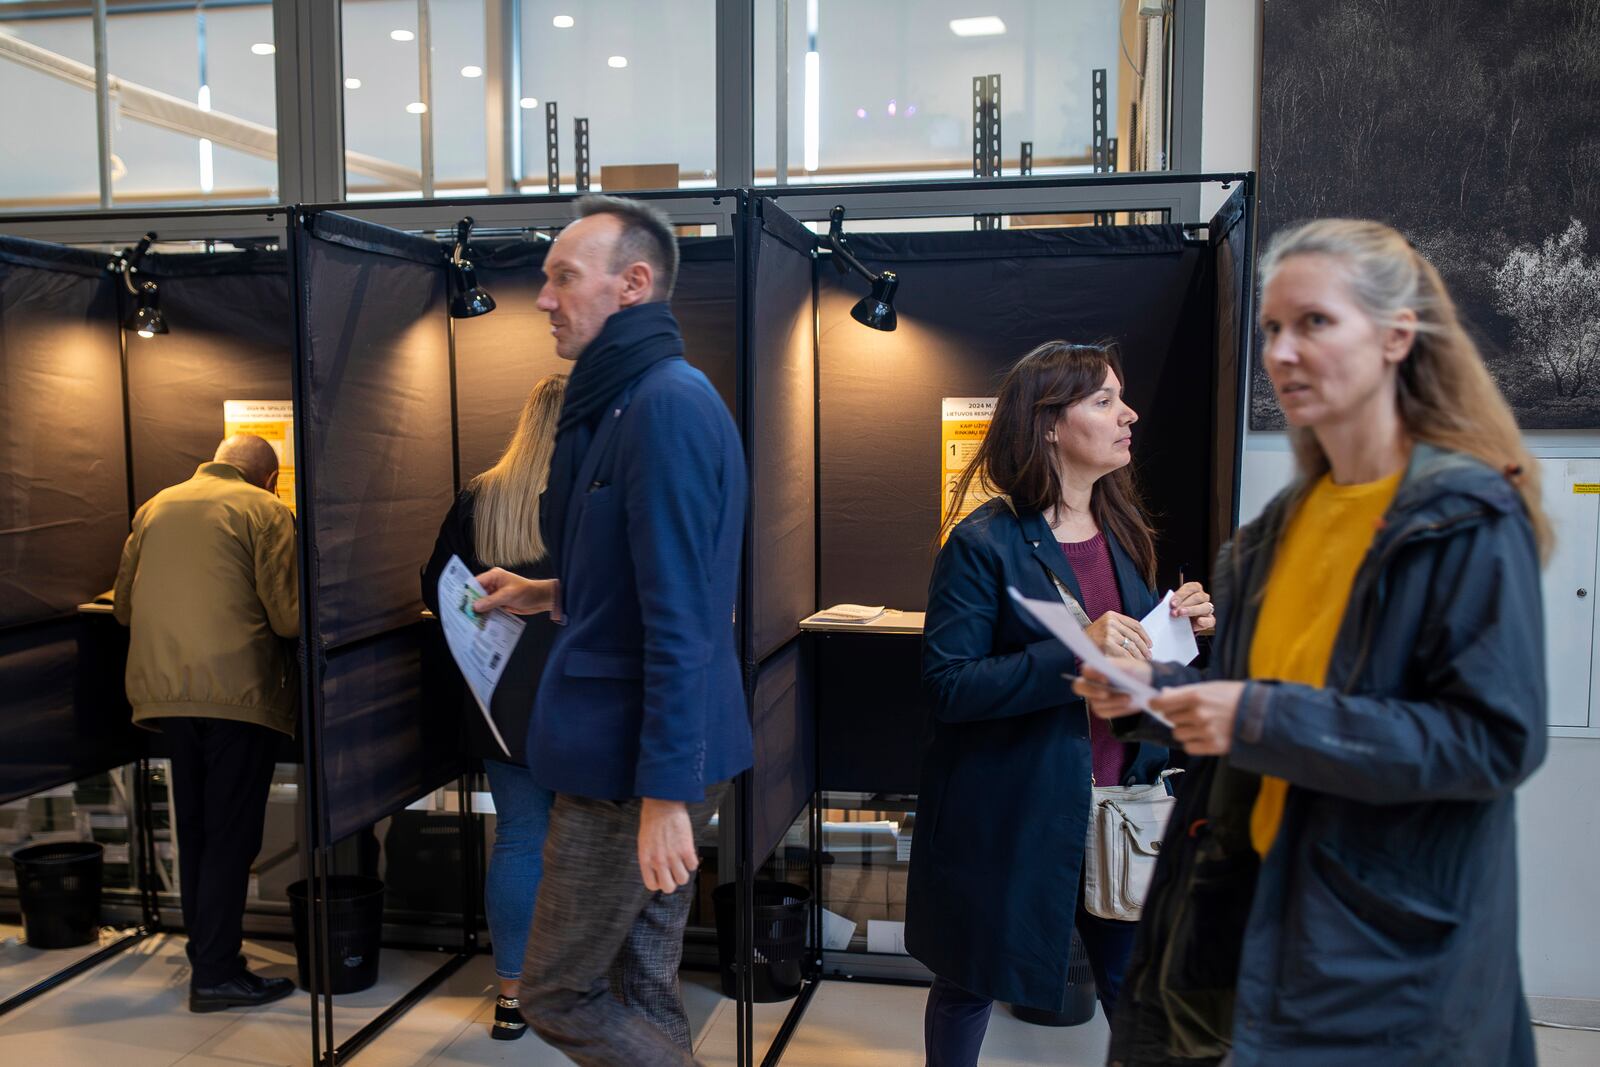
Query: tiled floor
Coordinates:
[131,1012]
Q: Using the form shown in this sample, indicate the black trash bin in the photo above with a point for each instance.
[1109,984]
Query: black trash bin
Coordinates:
[1080,994]
[782,912]
[58,889]
[355,927]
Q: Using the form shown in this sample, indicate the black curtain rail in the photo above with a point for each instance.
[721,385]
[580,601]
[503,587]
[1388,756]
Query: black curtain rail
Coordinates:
[1132,179]
[266,212]
[714,195]
[44,255]
[363,236]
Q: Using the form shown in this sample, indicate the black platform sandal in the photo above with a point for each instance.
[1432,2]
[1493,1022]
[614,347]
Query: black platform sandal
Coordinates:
[508,1022]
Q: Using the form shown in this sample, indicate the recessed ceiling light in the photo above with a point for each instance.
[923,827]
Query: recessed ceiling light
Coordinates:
[470,71]
[617,61]
[402,35]
[263,49]
[562,22]
[352,83]
[527,103]
[417,107]
[982,26]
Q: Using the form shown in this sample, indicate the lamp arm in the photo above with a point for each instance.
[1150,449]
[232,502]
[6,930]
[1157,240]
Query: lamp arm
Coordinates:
[837,247]
[131,258]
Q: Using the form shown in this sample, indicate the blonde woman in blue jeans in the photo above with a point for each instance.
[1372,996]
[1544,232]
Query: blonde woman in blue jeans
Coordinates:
[495,523]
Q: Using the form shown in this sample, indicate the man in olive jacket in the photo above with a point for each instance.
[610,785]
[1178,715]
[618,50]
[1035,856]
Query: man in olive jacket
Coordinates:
[209,587]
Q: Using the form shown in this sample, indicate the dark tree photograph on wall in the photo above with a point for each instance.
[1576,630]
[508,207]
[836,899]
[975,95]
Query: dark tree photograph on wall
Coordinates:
[1472,126]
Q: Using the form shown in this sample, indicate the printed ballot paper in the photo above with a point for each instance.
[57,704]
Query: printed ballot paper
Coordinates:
[1171,639]
[481,644]
[1054,617]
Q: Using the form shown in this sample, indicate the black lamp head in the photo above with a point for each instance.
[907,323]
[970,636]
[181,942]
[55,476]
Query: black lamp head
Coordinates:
[470,299]
[147,320]
[877,309]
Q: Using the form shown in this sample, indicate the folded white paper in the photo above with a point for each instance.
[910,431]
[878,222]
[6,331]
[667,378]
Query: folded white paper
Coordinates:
[1171,639]
[481,644]
[1054,617]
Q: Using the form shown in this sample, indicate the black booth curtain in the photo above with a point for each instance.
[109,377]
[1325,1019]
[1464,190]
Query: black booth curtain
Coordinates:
[781,559]
[1229,234]
[63,517]
[231,338]
[971,304]
[378,475]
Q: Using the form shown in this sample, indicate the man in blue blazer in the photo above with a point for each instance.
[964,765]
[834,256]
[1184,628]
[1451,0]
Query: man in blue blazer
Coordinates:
[640,718]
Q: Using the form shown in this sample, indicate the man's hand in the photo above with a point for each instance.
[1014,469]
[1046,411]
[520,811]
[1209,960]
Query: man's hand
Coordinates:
[518,595]
[1202,715]
[667,855]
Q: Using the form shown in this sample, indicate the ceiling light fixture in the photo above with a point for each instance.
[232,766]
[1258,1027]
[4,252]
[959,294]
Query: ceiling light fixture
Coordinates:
[417,107]
[981,26]
[617,62]
[470,299]
[562,22]
[471,72]
[402,36]
[263,49]
[877,308]
[528,103]
[352,83]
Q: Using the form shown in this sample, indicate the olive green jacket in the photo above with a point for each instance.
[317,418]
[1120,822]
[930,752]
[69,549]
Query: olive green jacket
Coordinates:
[210,590]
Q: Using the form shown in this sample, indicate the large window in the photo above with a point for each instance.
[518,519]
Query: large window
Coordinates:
[642,73]
[884,91]
[191,111]
[450,97]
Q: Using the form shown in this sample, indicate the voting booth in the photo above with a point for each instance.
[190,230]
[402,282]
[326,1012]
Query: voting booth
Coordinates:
[402,405]
[849,474]
[96,419]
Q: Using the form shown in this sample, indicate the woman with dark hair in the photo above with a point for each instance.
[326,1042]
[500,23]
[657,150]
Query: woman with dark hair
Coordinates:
[1338,883]
[995,884]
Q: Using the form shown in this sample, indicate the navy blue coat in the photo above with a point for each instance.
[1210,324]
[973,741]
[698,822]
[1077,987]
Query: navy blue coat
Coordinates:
[1003,808]
[1381,928]
[642,695]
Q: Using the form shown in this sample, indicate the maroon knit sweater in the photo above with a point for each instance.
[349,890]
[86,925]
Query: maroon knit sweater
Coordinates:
[1097,580]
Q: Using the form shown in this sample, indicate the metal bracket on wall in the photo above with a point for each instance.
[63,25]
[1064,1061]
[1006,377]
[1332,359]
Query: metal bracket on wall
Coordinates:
[552,142]
[986,138]
[1105,161]
[1026,159]
[580,145]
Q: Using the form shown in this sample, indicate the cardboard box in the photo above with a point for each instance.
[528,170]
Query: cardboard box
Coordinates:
[897,913]
[897,877]
[869,884]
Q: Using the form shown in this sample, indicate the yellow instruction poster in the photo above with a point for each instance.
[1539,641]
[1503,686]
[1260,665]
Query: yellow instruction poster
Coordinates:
[273,422]
[963,424]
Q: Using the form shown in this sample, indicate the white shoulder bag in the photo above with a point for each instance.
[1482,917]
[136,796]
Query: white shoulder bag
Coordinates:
[1126,825]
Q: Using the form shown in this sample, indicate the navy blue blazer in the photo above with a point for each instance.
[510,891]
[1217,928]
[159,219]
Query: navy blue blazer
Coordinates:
[642,695]
[1003,808]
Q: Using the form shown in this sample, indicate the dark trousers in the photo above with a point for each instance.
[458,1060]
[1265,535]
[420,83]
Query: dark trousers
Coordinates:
[600,980]
[955,1020]
[221,774]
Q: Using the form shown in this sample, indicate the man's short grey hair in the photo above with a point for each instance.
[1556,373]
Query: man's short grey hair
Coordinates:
[254,458]
[646,235]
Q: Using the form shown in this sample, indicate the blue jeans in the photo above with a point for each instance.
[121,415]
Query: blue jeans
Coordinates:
[955,1021]
[522,814]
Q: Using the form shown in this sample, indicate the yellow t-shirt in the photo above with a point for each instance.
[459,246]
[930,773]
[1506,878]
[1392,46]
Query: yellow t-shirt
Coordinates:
[1316,562]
